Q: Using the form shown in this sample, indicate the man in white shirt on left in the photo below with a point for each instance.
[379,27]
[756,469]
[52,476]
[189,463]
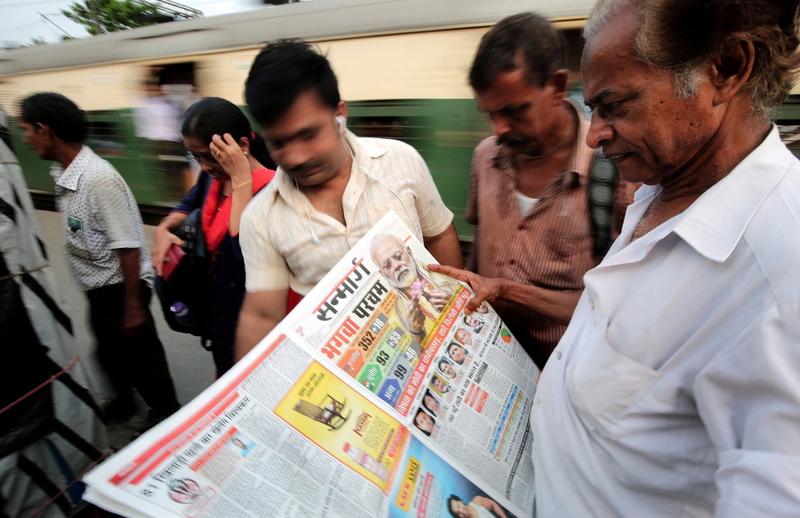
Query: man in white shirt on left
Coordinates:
[106,251]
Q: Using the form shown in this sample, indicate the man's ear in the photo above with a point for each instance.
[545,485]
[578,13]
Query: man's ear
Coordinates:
[731,69]
[558,83]
[45,131]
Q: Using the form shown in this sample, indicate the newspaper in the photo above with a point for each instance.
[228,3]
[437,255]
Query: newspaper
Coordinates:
[376,396]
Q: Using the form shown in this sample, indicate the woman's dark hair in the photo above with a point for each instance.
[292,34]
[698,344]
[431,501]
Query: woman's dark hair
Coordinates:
[216,116]
[433,420]
[429,409]
[281,72]
[55,111]
[453,498]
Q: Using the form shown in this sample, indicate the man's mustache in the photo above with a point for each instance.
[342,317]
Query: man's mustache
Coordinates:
[304,168]
[512,140]
[400,272]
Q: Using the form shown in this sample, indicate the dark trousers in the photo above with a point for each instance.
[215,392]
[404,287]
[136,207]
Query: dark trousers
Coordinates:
[136,361]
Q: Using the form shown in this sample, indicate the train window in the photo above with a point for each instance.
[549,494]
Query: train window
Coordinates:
[106,135]
[787,118]
[790,134]
[399,128]
[385,119]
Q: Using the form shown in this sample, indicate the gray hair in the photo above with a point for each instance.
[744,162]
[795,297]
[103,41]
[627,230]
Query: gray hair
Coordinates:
[683,36]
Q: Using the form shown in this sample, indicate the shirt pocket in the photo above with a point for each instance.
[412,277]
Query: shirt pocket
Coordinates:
[89,244]
[565,246]
[404,209]
[604,384]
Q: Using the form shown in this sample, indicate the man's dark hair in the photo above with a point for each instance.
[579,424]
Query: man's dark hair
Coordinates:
[524,39]
[453,498]
[447,385]
[60,114]
[281,72]
[450,353]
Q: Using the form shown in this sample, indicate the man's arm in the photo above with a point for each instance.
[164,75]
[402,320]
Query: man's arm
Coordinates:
[261,312]
[445,247]
[558,305]
[747,397]
[133,314]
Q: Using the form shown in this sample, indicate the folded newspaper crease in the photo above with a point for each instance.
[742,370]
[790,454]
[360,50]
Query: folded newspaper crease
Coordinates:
[376,396]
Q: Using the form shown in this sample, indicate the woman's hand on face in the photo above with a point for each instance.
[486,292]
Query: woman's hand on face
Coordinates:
[230,157]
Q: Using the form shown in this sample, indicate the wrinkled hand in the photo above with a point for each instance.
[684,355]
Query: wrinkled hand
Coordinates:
[415,317]
[437,298]
[231,157]
[163,239]
[485,288]
[133,319]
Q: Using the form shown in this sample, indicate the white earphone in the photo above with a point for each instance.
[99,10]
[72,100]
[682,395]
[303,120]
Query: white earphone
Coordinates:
[342,123]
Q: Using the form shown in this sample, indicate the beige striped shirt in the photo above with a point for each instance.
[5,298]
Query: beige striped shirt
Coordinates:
[286,242]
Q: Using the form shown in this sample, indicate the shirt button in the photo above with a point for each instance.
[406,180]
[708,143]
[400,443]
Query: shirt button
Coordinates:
[520,228]
[538,401]
[511,262]
[558,355]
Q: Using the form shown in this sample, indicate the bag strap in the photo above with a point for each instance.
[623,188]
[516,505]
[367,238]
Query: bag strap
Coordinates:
[602,187]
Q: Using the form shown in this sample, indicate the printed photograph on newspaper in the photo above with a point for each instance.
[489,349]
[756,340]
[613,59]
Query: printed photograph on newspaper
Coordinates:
[430,487]
[376,396]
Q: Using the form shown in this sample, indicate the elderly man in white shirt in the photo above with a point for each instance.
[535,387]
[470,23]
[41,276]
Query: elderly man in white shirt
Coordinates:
[676,388]
[331,187]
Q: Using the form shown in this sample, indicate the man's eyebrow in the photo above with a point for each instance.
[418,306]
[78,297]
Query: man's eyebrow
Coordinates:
[597,99]
[299,133]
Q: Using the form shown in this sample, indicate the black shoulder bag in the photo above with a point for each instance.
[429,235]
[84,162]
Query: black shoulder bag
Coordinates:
[185,298]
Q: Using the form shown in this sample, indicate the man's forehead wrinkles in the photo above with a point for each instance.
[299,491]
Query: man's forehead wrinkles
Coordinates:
[597,99]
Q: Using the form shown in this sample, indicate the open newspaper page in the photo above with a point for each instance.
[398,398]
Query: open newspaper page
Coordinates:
[376,396]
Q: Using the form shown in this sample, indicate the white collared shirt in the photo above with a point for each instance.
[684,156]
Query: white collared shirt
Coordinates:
[676,388]
[287,242]
[100,217]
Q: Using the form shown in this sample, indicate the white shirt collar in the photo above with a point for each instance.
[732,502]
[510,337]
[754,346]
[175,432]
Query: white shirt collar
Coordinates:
[715,223]
[68,178]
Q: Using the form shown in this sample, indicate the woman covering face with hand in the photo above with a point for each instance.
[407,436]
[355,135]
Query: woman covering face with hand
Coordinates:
[232,159]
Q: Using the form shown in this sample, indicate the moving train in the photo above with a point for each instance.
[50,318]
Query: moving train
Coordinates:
[402,67]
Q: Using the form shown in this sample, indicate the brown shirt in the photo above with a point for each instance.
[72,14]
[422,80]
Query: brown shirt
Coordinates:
[550,247]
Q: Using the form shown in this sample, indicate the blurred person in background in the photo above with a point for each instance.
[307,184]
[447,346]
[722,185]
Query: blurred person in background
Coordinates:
[157,119]
[49,432]
[107,253]
[330,189]
[529,193]
[232,160]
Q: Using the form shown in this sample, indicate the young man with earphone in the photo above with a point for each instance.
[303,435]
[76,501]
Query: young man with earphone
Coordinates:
[331,187]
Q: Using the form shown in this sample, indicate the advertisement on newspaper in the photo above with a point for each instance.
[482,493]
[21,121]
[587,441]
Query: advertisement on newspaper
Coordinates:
[376,396]
[429,486]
